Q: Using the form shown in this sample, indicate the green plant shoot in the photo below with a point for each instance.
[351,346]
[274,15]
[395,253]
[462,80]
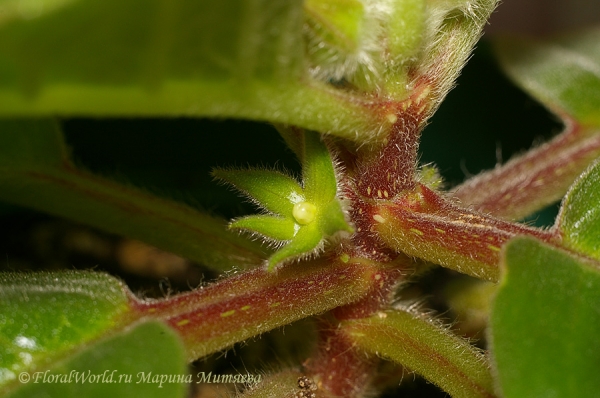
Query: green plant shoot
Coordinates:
[298,217]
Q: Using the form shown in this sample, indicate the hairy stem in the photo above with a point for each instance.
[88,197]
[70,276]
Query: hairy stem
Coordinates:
[420,344]
[339,369]
[239,307]
[532,181]
[423,224]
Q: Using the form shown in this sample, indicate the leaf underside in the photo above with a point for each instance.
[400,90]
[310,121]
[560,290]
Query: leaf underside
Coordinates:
[545,322]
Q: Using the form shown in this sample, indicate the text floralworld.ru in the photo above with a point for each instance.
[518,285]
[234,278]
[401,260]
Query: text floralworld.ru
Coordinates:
[112,376]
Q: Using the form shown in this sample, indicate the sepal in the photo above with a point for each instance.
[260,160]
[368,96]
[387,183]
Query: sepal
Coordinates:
[276,228]
[273,191]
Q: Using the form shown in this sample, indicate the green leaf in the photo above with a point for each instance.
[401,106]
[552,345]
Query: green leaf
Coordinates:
[271,227]
[272,60]
[417,342]
[146,360]
[31,144]
[321,186]
[332,219]
[44,315]
[306,240]
[154,43]
[563,73]
[338,22]
[154,58]
[271,190]
[406,25]
[364,43]
[579,219]
[318,174]
[303,215]
[545,323]
[35,171]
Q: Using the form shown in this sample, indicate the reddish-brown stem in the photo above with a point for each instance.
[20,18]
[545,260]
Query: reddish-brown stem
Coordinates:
[381,291]
[365,241]
[382,172]
[242,306]
[424,224]
[388,169]
[339,369]
[378,177]
[530,182]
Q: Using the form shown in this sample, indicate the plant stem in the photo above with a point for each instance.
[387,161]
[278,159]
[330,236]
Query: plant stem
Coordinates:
[37,172]
[421,223]
[424,346]
[528,183]
[239,307]
[339,369]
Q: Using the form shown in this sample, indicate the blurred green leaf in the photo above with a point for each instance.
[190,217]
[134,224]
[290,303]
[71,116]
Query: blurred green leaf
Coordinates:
[545,323]
[147,360]
[35,171]
[337,22]
[272,60]
[44,315]
[579,219]
[78,42]
[31,144]
[563,73]
[233,58]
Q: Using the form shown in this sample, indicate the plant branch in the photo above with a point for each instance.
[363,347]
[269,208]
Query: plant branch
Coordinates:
[530,182]
[339,369]
[423,224]
[239,307]
[420,344]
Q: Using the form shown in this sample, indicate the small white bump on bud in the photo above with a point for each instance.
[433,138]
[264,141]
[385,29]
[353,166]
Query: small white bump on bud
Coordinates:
[304,212]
